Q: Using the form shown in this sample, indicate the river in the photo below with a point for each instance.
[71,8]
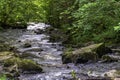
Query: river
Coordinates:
[48,55]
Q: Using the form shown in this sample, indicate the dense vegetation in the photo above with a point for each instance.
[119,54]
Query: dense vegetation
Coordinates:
[82,20]
[91,20]
[13,12]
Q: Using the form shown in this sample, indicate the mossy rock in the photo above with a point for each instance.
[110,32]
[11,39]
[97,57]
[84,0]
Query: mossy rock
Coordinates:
[98,49]
[69,57]
[92,52]
[23,64]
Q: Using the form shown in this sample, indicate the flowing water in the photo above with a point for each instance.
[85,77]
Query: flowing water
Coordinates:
[48,55]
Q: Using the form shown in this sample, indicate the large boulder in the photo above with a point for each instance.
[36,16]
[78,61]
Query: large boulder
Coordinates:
[10,59]
[92,52]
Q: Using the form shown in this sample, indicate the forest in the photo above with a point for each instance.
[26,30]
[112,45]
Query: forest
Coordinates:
[88,32]
[82,20]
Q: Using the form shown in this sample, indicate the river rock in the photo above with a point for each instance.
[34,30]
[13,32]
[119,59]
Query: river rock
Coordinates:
[82,55]
[9,59]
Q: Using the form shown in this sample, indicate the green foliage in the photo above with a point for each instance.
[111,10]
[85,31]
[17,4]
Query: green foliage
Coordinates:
[86,20]
[12,11]
[94,20]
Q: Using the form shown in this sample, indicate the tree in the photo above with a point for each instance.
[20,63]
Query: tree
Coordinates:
[23,11]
